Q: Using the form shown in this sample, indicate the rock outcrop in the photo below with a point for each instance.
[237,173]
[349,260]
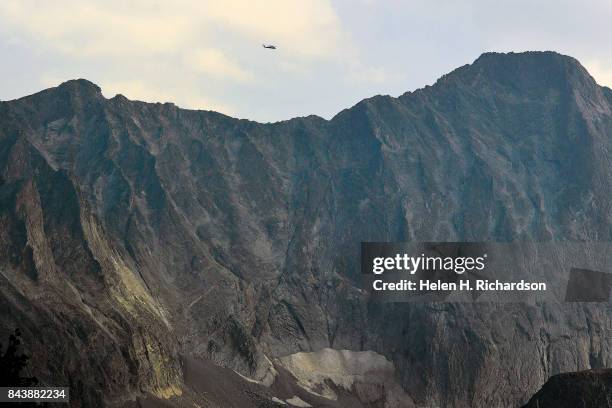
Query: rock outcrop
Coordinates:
[588,389]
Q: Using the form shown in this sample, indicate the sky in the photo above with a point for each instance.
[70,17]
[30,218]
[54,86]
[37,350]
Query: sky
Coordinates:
[204,54]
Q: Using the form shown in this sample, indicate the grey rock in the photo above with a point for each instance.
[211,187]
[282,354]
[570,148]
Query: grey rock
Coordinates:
[132,233]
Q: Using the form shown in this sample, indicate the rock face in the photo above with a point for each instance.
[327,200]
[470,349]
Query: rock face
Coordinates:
[588,389]
[133,233]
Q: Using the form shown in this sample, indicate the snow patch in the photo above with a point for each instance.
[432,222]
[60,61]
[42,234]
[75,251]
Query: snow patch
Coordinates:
[366,374]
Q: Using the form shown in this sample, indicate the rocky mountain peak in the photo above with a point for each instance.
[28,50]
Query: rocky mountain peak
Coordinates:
[533,72]
[80,85]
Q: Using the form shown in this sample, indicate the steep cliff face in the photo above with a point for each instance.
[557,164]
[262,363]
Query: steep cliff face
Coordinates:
[132,233]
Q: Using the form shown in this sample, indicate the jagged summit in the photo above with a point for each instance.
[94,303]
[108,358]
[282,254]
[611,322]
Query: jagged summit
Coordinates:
[79,84]
[73,87]
[530,69]
[543,65]
[540,56]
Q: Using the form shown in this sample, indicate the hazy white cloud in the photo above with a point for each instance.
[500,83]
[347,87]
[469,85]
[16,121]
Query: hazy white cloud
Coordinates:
[370,74]
[216,64]
[98,28]
[305,28]
[602,73]
[132,28]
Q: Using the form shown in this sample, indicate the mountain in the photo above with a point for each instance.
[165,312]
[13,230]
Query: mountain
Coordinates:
[591,389]
[138,240]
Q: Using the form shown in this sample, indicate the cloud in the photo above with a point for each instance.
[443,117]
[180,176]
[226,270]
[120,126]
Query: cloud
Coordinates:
[216,64]
[138,27]
[602,73]
[361,73]
[304,28]
[97,29]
